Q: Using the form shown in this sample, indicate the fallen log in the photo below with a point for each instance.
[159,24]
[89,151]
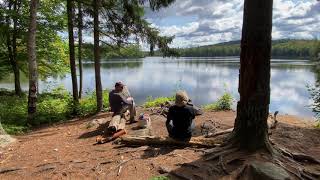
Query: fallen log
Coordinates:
[211,135]
[272,124]
[167,141]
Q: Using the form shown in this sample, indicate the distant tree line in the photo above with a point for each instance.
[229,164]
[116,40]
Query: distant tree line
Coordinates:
[107,52]
[308,49]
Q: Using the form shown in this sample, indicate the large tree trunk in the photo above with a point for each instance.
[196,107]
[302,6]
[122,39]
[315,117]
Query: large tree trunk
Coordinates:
[80,24]
[33,70]
[251,128]
[72,53]
[96,4]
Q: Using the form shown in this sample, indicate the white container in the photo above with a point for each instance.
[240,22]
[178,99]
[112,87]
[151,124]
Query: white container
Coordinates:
[144,121]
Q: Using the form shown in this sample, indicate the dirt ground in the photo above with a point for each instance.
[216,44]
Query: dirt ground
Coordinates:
[67,151]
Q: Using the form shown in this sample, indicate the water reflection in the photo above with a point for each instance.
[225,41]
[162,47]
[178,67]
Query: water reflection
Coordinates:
[205,79]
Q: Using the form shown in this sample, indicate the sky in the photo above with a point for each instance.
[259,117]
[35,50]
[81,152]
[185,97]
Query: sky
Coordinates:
[204,22]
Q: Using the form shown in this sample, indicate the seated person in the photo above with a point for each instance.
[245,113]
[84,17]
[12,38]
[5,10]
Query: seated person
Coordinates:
[120,101]
[180,118]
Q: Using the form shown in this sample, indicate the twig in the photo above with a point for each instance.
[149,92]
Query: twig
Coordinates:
[119,170]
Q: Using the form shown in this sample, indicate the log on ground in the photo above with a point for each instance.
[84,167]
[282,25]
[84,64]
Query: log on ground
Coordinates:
[167,141]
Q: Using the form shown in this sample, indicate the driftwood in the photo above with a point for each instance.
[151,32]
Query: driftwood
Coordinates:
[152,140]
[272,124]
[210,135]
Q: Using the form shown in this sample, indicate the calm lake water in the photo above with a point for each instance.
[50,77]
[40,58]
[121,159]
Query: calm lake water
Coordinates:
[205,80]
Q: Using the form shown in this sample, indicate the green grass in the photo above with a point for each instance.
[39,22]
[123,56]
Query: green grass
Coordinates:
[160,178]
[156,102]
[224,103]
[54,106]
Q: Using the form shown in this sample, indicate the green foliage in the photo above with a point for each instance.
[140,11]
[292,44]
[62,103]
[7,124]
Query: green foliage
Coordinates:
[224,103]
[160,178]
[157,101]
[52,107]
[280,48]
[52,55]
[131,51]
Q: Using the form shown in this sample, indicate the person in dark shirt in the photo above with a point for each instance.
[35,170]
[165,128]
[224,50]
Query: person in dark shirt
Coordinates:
[120,101]
[180,118]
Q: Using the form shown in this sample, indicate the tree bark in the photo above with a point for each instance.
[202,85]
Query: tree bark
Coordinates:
[12,47]
[70,13]
[33,70]
[80,25]
[14,63]
[251,128]
[97,65]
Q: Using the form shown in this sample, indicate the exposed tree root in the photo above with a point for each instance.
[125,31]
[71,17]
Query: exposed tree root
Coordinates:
[289,161]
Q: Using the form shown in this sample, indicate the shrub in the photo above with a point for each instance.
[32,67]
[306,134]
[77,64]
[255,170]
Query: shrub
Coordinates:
[224,103]
[157,101]
[52,107]
[160,178]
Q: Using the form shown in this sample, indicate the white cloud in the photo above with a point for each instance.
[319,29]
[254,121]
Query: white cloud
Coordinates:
[198,22]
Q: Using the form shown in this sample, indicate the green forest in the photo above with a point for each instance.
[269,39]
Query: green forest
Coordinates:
[286,48]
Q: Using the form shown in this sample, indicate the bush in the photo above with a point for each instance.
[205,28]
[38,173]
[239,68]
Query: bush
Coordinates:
[160,178]
[224,103]
[157,101]
[52,107]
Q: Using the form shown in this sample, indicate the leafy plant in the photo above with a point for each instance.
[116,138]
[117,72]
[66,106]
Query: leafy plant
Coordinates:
[52,107]
[160,178]
[157,101]
[224,103]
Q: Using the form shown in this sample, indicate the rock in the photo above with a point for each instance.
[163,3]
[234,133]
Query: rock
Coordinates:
[264,171]
[5,140]
[163,170]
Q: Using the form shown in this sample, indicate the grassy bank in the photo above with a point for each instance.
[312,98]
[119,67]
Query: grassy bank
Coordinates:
[224,103]
[54,106]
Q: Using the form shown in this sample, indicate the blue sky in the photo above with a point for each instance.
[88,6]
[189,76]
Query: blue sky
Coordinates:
[203,22]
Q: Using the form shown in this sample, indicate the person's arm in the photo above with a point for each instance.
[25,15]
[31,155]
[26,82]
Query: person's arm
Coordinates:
[169,119]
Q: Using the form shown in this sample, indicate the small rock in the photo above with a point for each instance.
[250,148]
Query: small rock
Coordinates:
[64,173]
[163,170]
[55,149]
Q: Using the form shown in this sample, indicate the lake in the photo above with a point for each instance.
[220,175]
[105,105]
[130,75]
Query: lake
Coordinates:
[205,80]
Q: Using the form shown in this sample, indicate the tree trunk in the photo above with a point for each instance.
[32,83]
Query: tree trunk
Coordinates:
[12,47]
[72,53]
[96,4]
[80,24]
[33,70]
[151,49]
[14,63]
[251,128]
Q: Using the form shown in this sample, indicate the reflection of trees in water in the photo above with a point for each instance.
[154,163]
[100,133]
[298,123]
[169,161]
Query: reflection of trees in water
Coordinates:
[315,92]
[117,64]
